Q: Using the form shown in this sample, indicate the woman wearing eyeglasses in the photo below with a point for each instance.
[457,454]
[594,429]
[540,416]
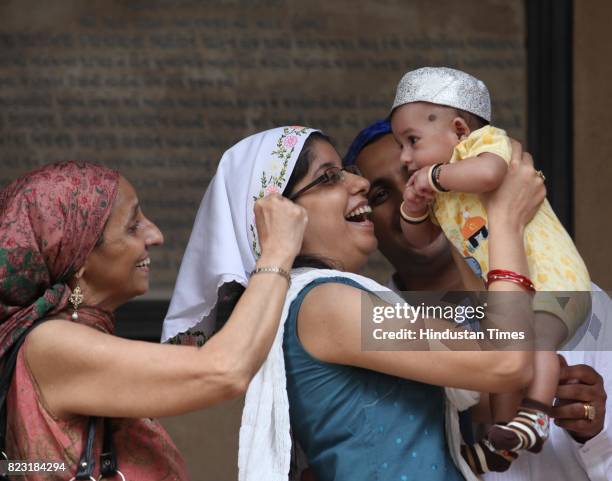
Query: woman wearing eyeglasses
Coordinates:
[358,415]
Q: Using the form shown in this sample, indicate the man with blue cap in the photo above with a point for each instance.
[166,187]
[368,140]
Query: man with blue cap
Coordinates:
[577,450]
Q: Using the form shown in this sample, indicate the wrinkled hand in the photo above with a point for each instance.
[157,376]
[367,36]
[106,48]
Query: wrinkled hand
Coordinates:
[578,385]
[417,194]
[521,193]
[280,228]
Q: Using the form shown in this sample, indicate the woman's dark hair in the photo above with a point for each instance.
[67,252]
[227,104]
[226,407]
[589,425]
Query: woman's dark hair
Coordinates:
[228,296]
[302,164]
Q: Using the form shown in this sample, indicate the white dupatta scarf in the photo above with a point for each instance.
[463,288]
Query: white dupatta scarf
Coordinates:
[224,247]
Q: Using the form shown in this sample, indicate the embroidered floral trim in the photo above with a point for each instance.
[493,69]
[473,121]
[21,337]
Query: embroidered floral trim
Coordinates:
[274,181]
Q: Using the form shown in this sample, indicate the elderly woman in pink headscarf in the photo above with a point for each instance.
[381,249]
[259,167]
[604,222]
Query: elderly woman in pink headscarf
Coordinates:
[74,245]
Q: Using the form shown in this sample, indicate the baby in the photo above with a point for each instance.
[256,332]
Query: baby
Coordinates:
[440,118]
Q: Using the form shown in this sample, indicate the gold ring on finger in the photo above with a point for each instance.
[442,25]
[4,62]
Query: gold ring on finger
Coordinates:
[589,412]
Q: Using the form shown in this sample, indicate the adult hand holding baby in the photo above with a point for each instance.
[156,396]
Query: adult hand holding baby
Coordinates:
[579,386]
[518,198]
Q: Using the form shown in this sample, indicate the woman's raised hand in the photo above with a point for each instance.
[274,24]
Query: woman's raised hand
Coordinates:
[521,193]
[280,227]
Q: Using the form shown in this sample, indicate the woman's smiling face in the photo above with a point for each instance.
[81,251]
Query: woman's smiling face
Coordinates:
[118,269]
[338,225]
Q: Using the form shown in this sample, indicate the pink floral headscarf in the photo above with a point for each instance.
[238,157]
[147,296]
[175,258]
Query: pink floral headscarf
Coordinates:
[50,220]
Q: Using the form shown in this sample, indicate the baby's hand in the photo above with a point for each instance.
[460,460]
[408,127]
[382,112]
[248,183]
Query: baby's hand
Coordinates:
[415,205]
[420,181]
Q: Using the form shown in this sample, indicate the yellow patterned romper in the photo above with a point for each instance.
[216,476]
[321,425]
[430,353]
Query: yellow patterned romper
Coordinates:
[554,261]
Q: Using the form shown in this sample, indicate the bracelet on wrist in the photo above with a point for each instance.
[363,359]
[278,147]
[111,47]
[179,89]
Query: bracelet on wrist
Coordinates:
[510,276]
[413,220]
[434,178]
[272,270]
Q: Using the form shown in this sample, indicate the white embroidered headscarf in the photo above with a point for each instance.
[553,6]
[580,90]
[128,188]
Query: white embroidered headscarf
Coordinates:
[223,246]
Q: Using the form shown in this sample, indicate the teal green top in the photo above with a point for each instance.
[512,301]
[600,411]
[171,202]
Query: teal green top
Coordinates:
[360,425]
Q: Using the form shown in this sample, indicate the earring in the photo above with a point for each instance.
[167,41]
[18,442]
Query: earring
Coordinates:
[76,298]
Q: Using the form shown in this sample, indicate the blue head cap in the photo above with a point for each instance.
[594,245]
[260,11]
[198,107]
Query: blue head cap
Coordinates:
[365,137]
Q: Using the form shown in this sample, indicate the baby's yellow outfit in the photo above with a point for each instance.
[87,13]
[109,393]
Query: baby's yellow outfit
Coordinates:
[554,261]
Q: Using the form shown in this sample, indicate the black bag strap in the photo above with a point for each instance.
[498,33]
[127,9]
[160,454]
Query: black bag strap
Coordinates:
[87,463]
[108,458]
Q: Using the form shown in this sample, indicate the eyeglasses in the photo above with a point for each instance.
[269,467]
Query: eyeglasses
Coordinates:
[331,176]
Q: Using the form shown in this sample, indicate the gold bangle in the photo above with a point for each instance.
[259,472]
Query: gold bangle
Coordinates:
[272,270]
[413,220]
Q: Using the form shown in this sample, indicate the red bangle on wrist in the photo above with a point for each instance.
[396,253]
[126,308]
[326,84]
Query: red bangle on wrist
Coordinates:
[510,276]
